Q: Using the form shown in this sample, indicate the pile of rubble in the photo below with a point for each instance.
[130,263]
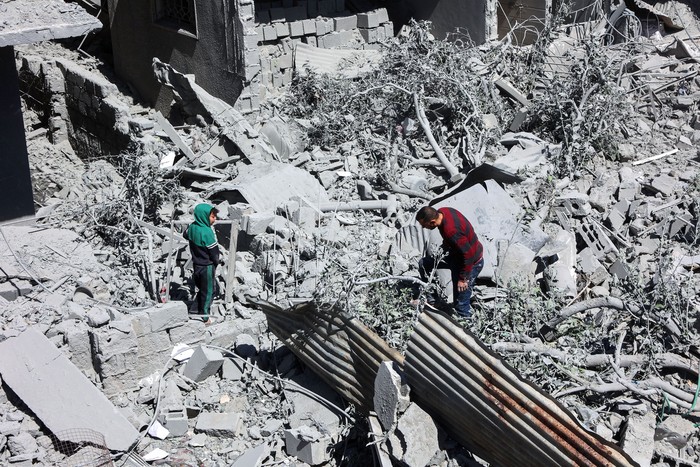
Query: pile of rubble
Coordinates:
[575,159]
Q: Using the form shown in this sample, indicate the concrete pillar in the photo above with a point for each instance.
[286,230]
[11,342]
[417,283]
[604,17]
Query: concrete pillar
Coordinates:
[16,198]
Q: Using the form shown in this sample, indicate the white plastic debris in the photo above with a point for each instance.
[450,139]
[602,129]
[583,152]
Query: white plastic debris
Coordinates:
[155,455]
[158,431]
[181,352]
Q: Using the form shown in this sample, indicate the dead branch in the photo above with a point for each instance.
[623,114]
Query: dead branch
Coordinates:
[423,120]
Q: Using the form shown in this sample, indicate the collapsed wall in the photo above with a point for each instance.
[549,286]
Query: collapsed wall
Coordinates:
[272,32]
[78,105]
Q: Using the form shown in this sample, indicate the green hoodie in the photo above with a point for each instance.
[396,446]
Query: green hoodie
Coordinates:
[200,232]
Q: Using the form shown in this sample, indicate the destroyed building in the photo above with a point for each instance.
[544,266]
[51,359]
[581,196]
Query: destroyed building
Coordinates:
[317,131]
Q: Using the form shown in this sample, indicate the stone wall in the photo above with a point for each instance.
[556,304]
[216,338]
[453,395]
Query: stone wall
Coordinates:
[78,105]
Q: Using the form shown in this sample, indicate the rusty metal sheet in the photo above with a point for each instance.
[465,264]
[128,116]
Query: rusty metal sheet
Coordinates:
[345,353]
[482,402]
[489,408]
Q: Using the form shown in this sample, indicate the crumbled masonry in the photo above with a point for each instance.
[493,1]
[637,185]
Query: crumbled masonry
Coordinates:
[575,158]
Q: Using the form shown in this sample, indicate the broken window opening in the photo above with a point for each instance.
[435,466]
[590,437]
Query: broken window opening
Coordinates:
[179,15]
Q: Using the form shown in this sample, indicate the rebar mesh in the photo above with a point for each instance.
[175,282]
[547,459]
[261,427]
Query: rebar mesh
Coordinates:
[83,447]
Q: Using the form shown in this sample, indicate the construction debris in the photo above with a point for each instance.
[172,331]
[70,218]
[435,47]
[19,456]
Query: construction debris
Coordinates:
[575,159]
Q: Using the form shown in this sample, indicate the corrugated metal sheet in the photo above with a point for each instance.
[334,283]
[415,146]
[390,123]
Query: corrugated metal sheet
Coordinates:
[267,186]
[341,350]
[346,63]
[478,399]
[489,408]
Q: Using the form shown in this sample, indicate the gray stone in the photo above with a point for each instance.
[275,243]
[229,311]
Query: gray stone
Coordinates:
[308,445]
[198,440]
[619,269]
[256,223]
[203,363]
[97,317]
[576,204]
[420,436]
[345,23]
[615,220]
[253,457]
[232,370]
[219,424]
[30,364]
[664,184]
[638,439]
[390,394]
[9,428]
[271,427]
[166,316]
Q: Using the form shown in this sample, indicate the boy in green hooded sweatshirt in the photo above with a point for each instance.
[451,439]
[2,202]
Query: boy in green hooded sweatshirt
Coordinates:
[205,255]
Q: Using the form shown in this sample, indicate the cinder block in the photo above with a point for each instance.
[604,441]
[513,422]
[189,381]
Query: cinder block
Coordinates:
[167,315]
[309,26]
[337,39]
[368,20]
[383,15]
[269,33]
[282,29]
[252,57]
[246,10]
[296,29]
[251,71]
[388,29]
[251,39]
[109,341]
[284,61]
[311,40]
[277,80]
[232,370]
[286,77]
[175,420]
[323,26]
[154,343]
[312,452]
[256,223]
[203,363]
[369,35]
[345,23]
[219,424]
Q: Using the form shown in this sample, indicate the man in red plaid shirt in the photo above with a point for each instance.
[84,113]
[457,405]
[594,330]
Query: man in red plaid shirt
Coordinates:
[465,253]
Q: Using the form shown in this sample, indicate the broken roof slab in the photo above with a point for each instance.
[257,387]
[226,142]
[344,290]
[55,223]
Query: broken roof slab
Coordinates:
[30,21]
[268,186]
[58,393]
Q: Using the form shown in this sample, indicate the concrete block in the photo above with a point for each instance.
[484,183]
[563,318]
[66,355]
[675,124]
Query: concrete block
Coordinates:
[256,223]
[152,344]
[308,445]
[309,26]
[345,23]
[615,220]
[383,15]
[219,424]
[324,26]
[269,33]
[97,317]
[166,316]
[246,10]
[283,61]
[337,39]
[282,29]
[390,394]
[232,370]
[203,363]
[296,29]
[368,20]
[638,439]
[370,35]
[110,340]
[21,444]
[420,436]
[311,40]
[251,71]
[175,421]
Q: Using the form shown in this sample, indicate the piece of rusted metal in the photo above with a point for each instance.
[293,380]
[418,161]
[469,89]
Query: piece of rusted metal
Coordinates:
[482,402]
[485,405]
[340,349]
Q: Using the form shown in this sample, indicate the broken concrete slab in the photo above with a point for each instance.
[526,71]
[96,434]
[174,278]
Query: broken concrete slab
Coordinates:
[638,438]
[390,394]
[29,364]
[265,187]
[419,435]
[253,457]
[219,424]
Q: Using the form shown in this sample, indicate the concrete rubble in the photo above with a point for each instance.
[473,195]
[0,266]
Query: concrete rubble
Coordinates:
[95,294]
